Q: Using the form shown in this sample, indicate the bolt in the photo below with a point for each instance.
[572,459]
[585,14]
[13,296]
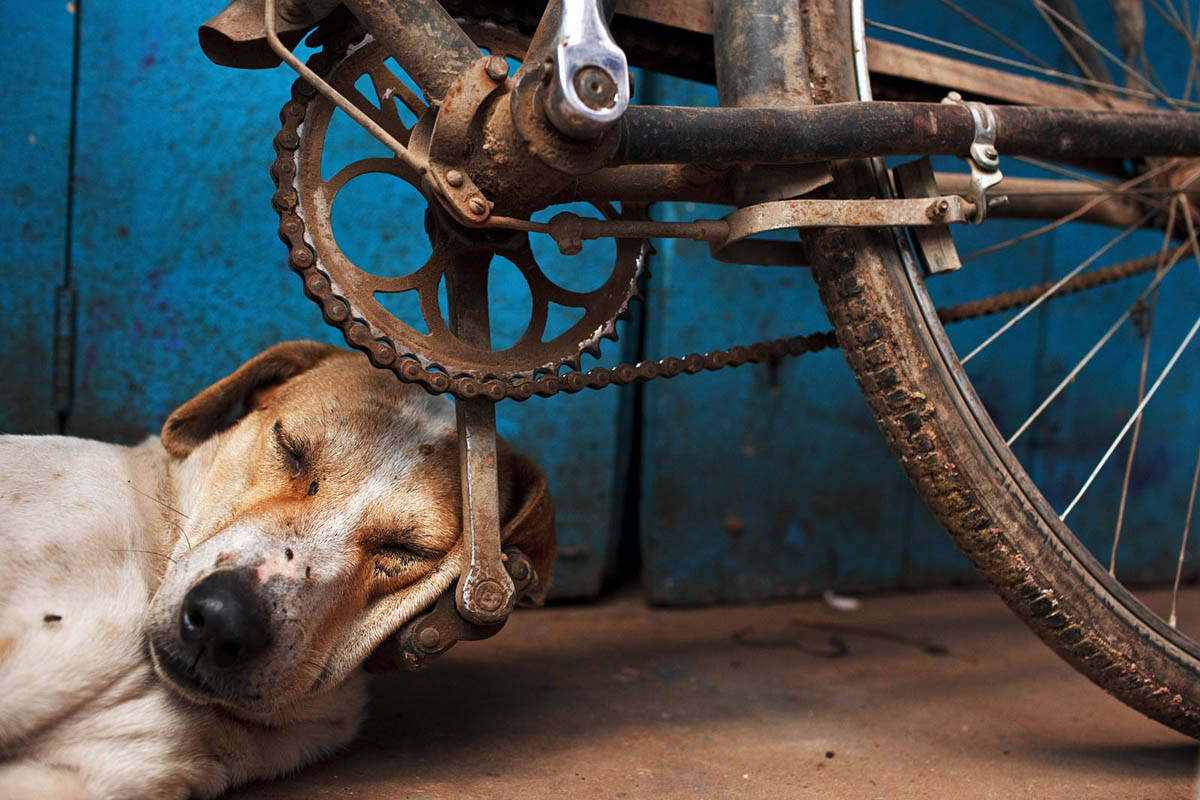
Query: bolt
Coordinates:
[497,68]
[991,152]
[429,639]
[937,209]
[454,178]
[477,205]
[595,87]
[518,568]
[488,595]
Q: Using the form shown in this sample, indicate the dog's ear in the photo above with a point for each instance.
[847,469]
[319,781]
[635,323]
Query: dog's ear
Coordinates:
[528,518]
[229,399]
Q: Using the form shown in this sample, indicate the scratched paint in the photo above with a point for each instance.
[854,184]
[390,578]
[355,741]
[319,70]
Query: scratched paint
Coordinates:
[36,97]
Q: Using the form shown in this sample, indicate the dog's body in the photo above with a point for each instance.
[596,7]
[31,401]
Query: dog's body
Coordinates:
[189,614]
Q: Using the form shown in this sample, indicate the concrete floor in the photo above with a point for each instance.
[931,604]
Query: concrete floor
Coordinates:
[942,694]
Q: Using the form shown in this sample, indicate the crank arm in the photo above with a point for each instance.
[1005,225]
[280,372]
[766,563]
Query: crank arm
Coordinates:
[590,88]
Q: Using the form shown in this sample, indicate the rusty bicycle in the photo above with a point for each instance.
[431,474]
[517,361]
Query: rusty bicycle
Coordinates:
[871,140]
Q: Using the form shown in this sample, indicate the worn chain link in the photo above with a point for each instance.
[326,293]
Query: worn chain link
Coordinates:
[382,353]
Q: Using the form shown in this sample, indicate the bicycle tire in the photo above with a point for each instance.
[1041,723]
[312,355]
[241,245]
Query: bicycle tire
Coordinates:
[957,460]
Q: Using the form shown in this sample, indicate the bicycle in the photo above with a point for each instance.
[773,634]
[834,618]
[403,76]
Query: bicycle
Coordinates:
[486,149]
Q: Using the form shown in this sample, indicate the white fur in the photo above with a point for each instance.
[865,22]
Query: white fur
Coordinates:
[103,696]
[83,526]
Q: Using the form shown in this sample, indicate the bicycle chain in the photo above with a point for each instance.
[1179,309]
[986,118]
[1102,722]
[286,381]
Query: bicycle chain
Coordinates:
[382,353]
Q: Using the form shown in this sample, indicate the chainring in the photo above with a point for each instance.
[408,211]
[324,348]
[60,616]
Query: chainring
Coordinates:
[350,296]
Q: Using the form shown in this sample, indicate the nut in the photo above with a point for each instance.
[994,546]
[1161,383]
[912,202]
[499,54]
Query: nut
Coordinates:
[429,638]
[488,595]
[497,68]
[518,568]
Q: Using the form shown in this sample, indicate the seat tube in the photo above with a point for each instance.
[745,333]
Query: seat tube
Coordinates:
[758,49]
[759,53]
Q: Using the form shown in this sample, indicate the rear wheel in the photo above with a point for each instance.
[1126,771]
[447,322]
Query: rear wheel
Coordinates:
[928,408]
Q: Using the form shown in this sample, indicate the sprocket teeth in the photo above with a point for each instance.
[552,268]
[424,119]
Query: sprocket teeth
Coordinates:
[592,350]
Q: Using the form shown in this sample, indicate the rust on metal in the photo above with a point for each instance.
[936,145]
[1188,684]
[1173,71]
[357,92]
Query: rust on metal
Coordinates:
[485,593]
[432,633]
[237,36]
[726,235]
[511,152]
[445,51]
[934,245]
[450,140]
[668,135]
[348,295]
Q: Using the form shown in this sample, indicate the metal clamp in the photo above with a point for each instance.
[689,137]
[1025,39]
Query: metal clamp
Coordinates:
[984,158]
[590,88]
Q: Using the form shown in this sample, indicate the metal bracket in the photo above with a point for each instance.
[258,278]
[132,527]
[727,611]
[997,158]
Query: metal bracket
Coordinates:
[450,135]
[984,158]
[590,89]
[935,246]
[730,239]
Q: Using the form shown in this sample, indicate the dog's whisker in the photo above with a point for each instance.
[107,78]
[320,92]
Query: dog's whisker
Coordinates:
[165,505]
[147,552]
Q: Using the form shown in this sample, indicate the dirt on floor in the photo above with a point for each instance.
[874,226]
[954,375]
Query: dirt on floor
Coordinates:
[942,694]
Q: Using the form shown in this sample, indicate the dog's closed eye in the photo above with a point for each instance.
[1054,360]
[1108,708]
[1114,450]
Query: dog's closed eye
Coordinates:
[292,451]
[395,555]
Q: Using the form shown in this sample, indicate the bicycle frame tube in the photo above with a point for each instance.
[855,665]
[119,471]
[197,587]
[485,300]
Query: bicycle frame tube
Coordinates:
[667,135]
[425,40]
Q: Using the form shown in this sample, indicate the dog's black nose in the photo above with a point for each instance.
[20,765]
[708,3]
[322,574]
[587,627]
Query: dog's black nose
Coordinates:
[226,613]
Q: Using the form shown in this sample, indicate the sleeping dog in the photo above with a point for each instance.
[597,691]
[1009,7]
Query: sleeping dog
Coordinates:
[189,614]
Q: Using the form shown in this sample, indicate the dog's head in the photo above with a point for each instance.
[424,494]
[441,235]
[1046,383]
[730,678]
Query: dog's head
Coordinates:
[323,510]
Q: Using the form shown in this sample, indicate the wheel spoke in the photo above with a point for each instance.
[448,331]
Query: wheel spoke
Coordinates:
[1093,67]
[1162,273]
[1020,315]
[1010,62]
[1187,339]
[1076,214]
[1041,5]
[1187,524]
[1172,18]
[995,34]
[1145,329]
